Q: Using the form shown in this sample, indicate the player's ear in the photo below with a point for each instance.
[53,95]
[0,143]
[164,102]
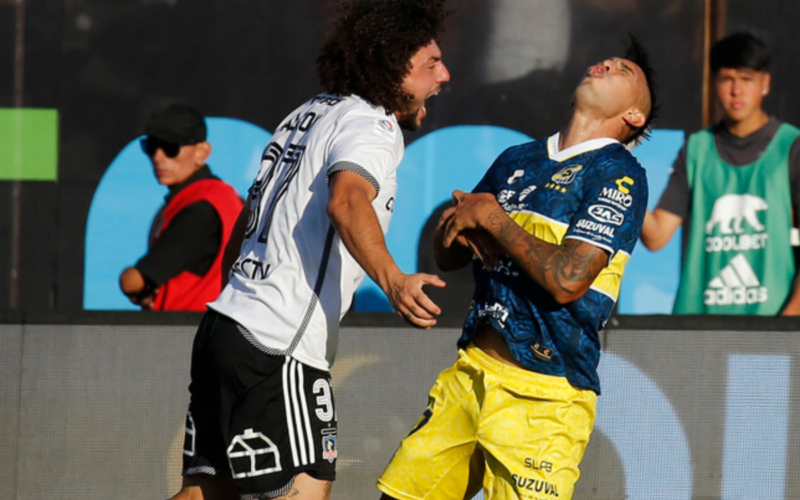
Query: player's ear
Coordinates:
[635,118]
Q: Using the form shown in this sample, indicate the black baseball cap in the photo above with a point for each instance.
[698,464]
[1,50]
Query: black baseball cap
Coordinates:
[177,123]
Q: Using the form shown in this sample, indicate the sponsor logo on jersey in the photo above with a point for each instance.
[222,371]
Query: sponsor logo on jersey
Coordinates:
[253,454]
[532,463]
[390,204]
[623,183]
[620,199]
[517,174]
[595,227]
[535,485]
[384,128]
[606,214]
[495,311]
[736,284]
[505,195]
[564,177]
[251,268]
[525,192]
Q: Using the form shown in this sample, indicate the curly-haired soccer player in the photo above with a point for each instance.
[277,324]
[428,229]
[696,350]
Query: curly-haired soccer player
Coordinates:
[261,422]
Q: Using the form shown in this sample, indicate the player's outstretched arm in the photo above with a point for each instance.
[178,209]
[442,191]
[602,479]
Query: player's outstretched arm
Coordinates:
[658,228]
[350,210]
[566,271]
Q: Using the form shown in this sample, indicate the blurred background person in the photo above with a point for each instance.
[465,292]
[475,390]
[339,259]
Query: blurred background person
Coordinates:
[181,270]
[735,187]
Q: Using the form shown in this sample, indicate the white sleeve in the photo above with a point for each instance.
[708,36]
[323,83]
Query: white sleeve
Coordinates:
[369,145]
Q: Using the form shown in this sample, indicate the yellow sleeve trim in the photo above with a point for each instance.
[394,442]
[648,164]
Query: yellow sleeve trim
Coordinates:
[552,231]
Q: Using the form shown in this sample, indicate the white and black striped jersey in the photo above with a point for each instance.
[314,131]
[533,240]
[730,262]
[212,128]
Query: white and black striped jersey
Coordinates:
[294,279]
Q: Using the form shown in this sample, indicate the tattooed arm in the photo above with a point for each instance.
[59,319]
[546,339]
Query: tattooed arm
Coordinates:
[566,271]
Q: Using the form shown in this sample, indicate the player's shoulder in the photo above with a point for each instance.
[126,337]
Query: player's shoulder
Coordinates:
[618,156]
[618,165]
[373,121]
[524,150]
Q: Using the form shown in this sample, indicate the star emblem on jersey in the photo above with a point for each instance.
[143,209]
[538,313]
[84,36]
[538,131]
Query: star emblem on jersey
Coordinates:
[564,177]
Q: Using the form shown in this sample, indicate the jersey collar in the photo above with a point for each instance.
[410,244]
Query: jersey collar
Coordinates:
[577,149]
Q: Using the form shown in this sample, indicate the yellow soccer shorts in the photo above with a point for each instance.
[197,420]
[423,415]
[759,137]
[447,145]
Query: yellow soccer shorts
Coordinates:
[516,433]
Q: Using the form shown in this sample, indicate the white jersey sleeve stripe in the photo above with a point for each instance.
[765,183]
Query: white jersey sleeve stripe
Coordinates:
[356,169]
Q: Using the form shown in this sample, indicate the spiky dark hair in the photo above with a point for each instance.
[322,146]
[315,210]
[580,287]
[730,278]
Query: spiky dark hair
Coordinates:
[369,48]
[635,52]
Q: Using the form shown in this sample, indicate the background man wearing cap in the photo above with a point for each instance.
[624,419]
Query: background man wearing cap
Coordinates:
[182,268]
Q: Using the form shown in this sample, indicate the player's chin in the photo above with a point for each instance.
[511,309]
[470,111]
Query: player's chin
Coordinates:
[412,121]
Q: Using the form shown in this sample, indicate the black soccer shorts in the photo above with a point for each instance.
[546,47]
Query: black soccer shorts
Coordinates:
[262,417]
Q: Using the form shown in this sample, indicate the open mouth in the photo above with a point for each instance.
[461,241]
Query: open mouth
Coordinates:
[424,107]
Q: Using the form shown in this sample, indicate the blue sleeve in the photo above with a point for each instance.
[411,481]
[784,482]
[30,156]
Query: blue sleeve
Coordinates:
[614,202]
[491,179]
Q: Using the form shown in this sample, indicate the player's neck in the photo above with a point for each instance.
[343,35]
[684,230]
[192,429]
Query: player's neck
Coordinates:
[581,128]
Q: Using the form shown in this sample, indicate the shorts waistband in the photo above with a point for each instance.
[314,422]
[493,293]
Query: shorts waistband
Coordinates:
[504,370]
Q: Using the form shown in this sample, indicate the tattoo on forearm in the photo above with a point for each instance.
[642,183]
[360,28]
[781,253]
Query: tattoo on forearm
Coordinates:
[567,267]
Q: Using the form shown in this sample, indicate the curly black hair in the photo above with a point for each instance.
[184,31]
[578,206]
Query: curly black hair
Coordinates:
[369,48]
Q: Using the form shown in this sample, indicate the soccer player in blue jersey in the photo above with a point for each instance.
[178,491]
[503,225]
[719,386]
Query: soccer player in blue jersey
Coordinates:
[548,230]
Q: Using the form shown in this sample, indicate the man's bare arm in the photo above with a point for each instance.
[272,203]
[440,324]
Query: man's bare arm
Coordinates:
[350,209]
[658,228]
[566,271]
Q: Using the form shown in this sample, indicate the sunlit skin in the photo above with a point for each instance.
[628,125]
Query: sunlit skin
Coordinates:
[175,171]
[424,80]
[741,94]
[612,101]
[612,88]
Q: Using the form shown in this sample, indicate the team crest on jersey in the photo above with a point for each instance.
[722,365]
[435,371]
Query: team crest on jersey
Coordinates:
[384,128]
[541,351]
[329,451]
[564,177]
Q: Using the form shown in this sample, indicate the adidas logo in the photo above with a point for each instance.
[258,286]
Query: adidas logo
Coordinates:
[736,284]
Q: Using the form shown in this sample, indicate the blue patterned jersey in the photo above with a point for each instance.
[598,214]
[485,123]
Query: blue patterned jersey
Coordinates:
[596,192]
